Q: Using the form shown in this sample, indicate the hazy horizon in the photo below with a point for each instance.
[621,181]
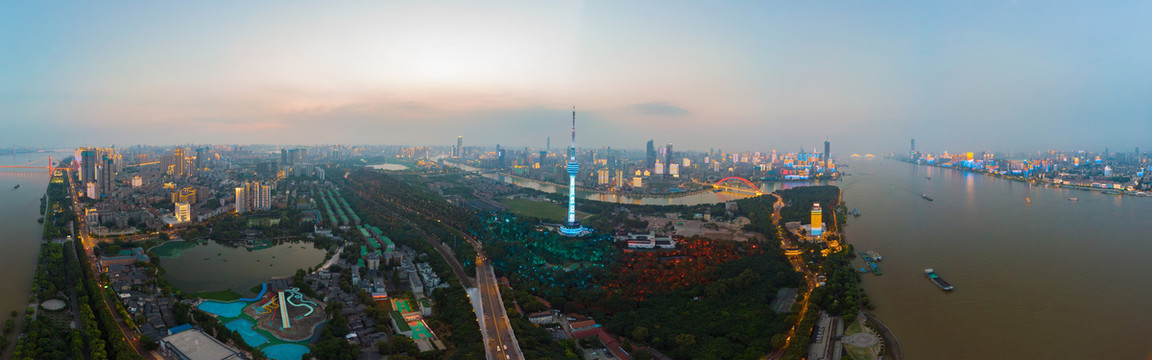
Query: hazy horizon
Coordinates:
[1011,76]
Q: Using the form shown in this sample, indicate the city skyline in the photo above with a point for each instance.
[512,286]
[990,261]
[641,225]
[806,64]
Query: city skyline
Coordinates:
[1002,76]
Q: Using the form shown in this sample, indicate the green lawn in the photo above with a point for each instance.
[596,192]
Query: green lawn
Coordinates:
[541,209]
[223,295]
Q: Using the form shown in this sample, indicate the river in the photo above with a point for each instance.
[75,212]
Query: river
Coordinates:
[1054,279]
[20,234]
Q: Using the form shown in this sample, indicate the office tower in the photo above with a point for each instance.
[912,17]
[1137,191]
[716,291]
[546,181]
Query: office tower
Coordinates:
[913,151]
[817,222]
[667,158]
[183,212]
[283,156]
[459,146]
[827,147]
[548,144]
[674,170]
[87,166]
[650,159]
[572,227]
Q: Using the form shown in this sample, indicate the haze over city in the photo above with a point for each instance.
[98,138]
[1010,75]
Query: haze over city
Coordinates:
[991,75]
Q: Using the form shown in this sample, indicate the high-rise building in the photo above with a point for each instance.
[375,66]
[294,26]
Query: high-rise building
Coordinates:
[667,159]
[817,222]
[263,198]
[87,166]
[201,158]
[650,158]
[180,160]
[183,212]
[827,147]
[106,175]
[602,176]
[459,150]
[241,200]
[91,192]
[137,181]
[674,170]
[283,156]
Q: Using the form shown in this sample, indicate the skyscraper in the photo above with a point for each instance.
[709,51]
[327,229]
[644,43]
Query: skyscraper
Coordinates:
[87,166]
[241,200]
[107,173]
[827,146]
[572,227]
[650,160]
[201,158]
[459,151]
[667,159]
[180,161]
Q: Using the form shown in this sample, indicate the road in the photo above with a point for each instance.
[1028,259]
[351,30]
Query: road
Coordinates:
[798,264]
[499,341]
[126,333]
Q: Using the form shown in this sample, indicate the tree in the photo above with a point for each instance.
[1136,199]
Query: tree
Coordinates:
[640,333]
[685,340]
[404,345]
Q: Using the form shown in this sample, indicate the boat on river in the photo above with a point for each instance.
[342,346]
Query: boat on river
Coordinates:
[925,196]
[944,285]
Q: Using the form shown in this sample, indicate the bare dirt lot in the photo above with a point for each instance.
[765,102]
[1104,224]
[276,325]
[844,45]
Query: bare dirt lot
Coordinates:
[708,229]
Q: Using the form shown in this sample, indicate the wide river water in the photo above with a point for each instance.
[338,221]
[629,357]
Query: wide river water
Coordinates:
[1054,279]
[19,232]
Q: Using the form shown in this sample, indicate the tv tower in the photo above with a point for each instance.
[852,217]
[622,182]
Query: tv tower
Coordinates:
[572,227]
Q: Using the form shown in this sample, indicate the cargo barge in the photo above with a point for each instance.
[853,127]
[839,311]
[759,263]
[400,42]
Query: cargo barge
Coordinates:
[944,285]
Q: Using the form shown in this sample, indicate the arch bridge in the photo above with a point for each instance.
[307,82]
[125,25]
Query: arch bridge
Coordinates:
[720,185]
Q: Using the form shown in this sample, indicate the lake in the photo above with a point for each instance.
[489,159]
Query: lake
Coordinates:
[215,267]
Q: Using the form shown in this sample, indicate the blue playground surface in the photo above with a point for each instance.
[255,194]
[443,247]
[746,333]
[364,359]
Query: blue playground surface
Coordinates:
[244,327]
[286,351]
[222,309]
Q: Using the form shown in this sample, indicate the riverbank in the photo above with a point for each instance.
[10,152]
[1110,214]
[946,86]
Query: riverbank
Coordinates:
[1038,182]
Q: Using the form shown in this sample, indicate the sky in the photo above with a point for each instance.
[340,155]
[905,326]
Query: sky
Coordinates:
[742,75]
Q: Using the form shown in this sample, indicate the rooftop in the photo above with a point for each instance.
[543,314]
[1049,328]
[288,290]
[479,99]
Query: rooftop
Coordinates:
[195,345]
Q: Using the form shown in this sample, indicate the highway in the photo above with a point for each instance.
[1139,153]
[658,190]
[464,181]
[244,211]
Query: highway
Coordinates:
[499,341]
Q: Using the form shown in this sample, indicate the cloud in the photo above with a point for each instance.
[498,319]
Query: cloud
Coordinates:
[658,108]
